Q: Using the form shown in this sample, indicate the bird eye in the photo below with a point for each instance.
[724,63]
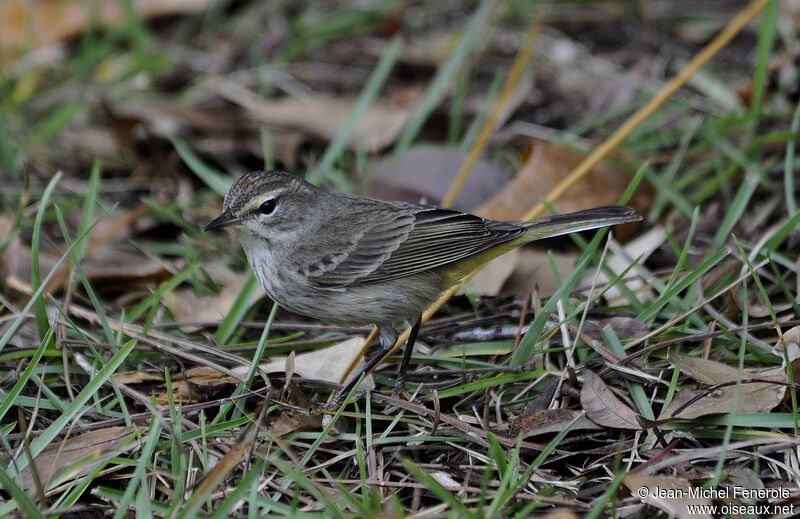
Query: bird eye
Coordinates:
[268,207]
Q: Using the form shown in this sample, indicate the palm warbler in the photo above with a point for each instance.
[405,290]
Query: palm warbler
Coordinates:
[352,260]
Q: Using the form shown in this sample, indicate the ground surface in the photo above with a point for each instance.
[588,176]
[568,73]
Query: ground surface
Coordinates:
[561,381]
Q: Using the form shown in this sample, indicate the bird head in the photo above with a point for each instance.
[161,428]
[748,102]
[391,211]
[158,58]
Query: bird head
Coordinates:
[266,203]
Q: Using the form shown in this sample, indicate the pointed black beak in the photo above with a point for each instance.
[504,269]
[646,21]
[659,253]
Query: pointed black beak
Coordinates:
[223,220]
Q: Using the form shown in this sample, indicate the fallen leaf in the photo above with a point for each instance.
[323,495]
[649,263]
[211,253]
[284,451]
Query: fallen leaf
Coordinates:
[559,514]
[237,452]
[325,117]
[208,130]
[78,455]
[789,343]
[109,262]
[788,346]
[588,83]
[327,364]
[518,271]
[752,398]
[624,328]
[533,269]
[603,407]
[37,24]
[619,260]
[185,305]
[288,422]
[742,477]
[544,170]
[425,173]
[670,494]
[15,260]
[199,384]
[106,263]
[544,421]
[132,378]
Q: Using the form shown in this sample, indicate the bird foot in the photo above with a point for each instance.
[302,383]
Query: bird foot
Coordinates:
[399,391]
[333,405]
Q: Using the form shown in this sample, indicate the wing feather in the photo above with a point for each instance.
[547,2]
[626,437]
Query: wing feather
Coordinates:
[404,240]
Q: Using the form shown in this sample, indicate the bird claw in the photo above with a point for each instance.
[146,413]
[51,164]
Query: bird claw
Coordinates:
[335,403]
[399,389]
[400,392]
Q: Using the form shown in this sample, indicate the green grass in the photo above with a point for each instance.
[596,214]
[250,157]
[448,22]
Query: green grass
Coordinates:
[722,172]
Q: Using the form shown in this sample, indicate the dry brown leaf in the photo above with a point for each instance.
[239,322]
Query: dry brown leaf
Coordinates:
[328,364]
[106,263]
[603,407]
[132,378]
[185,305]
[78,455]
[15,260]
[35,24]
[16,275]
[788,346]
[111,263]
[559,514]
[752,398]
[237,452]
[670,494]
[289,422]
[325,117]
[640,247]
[518,271]
[544,421]
[199,384]
[624,328]
[209,130]
[544,170]
[427,172]
[533,269]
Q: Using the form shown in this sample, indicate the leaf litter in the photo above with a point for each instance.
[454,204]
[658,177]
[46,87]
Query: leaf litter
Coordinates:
[478,433]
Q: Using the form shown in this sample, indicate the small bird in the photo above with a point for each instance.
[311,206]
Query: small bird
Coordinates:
[354,260]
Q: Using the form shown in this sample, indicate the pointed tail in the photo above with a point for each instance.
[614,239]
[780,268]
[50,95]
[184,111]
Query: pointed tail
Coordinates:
[559,224]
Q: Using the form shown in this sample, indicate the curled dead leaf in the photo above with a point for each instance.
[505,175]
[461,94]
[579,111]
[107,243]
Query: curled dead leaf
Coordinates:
[327,364]
[544,421]
[624,328]
[757,397]
[670,494]
[288,422]
[544,170]
[788,345]
[185,305]
[106,263]
[518,271]
[377,129]
[40,24]
[199,384]
[603,407]
[425,173]
[78,455]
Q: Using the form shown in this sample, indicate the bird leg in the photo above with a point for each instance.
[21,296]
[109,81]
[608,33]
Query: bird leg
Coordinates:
[387,343]
[400,381]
